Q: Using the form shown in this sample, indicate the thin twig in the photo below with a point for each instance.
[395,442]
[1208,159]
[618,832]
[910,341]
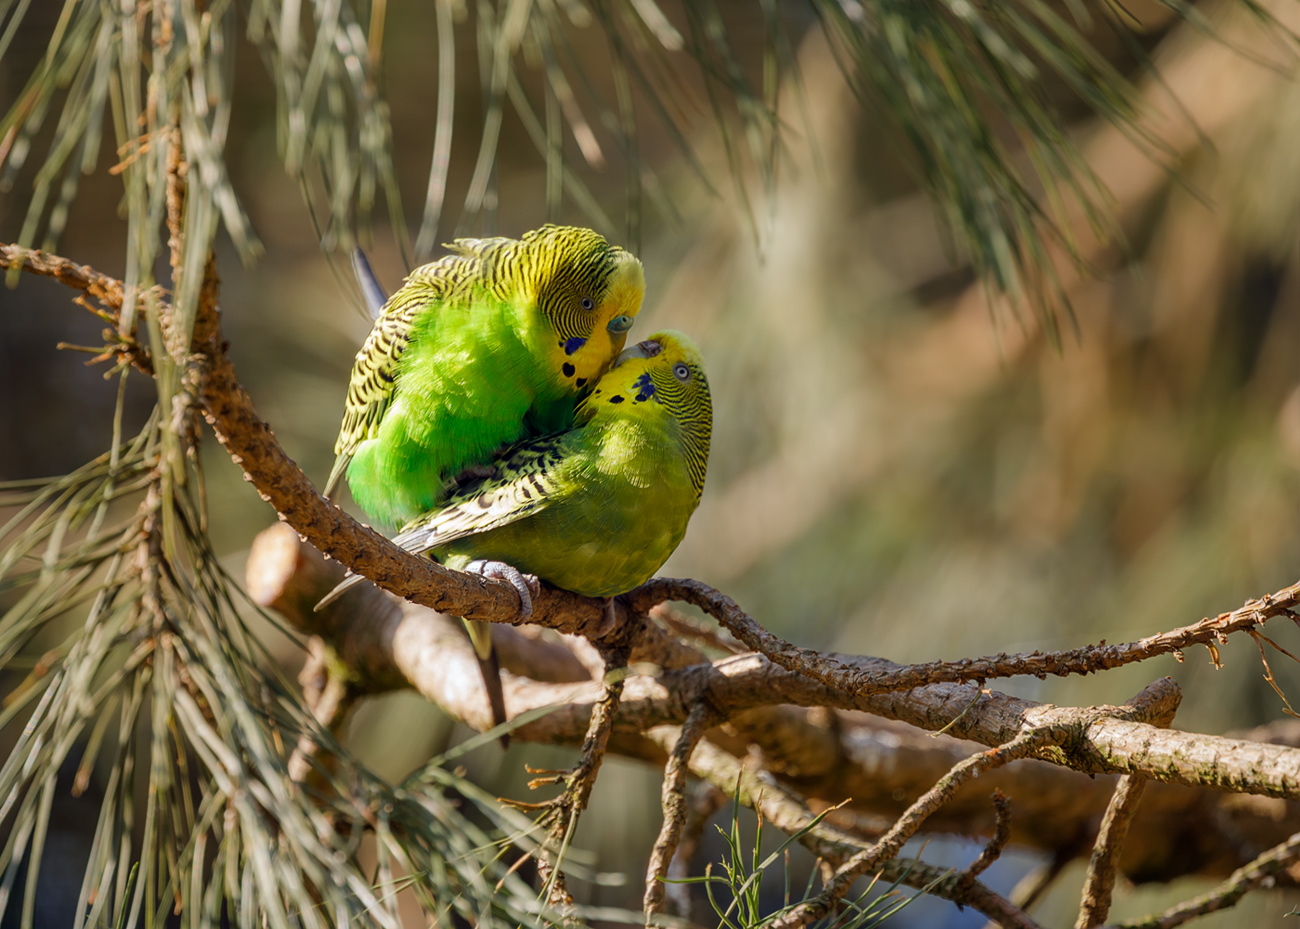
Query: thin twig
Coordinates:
[1268,671]
[1263,870]
[948,885]
[673,796]
[561,813]
[1100,881]
[787,811]
[840,672]
[703,800]
[910,823]
[993,849]
[687,627]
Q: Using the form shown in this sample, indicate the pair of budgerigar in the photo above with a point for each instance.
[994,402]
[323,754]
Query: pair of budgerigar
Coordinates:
[493,417]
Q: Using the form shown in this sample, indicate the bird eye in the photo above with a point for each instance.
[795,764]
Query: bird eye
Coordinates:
[588,303]
[620,324]
[681,371]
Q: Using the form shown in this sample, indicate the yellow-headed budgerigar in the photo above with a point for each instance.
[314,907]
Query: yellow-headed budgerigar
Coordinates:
[492,343]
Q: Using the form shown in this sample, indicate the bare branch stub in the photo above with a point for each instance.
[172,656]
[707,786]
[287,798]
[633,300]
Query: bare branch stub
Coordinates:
[107,291]
[1094,906]
[993,848]
[328,692]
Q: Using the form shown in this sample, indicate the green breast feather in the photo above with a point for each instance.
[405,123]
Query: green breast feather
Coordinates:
[486,346]
[598,509]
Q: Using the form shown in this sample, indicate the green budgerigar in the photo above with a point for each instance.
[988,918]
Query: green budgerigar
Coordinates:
[599,508]
[495,342]
[596,509]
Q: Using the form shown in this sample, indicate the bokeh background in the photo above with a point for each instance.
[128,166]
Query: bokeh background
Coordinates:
[900,466]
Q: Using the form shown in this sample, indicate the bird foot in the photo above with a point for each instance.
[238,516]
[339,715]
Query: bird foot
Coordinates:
[526,585]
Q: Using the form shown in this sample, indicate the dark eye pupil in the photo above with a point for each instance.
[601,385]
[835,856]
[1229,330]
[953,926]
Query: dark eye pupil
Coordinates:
[681,371]
[587,304]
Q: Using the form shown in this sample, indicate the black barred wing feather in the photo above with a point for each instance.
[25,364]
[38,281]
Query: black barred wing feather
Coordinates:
[370,390]
[525,481]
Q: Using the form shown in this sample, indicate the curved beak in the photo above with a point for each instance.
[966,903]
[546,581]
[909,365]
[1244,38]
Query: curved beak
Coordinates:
[620,323]
[647,349]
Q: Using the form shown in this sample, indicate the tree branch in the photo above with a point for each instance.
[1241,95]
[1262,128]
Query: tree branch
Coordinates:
[863,676]
[391,643]
[789,813]
[280,482]
[579,781]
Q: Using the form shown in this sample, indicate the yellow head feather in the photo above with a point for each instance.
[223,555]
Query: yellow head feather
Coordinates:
[665,370]
[589,292]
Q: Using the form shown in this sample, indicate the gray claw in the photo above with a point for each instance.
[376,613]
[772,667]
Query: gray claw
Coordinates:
[526,585]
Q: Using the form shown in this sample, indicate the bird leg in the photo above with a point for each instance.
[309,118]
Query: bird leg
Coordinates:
[526,585]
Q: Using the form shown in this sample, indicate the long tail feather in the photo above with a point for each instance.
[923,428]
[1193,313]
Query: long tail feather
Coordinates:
[352,580]
[336,474]
[370,286]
